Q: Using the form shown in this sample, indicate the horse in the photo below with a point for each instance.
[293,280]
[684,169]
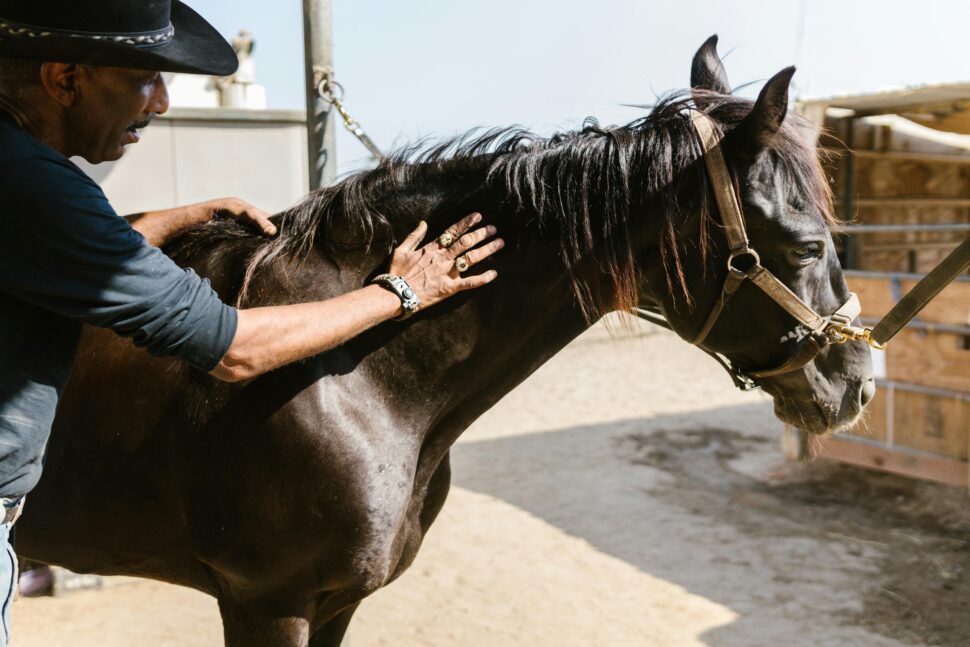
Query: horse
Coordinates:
[293,496]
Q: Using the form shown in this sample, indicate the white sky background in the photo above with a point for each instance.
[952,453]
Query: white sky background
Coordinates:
[439,67]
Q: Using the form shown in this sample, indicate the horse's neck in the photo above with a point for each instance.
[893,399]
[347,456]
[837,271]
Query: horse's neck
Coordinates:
[465,354]
[455,360]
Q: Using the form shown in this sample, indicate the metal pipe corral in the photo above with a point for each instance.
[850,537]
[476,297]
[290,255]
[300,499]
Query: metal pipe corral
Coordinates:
[905,228]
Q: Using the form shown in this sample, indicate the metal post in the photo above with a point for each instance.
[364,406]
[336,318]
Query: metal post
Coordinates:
[851,248]
[318,48]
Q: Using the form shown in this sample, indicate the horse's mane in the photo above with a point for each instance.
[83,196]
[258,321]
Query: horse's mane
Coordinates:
[589,184]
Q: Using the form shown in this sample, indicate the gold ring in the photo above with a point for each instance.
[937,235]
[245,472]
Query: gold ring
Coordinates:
[461,263]
[446,240]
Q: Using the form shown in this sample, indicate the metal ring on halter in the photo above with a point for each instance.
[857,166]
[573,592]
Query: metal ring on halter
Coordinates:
[326,91]
[446,240]
[461,263]
[745,252]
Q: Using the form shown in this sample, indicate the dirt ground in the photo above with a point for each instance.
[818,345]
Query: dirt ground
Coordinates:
[625,495]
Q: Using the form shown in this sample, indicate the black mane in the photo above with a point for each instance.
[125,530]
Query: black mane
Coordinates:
[591,185]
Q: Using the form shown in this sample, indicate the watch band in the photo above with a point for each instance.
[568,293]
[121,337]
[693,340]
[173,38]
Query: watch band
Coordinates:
[396,284]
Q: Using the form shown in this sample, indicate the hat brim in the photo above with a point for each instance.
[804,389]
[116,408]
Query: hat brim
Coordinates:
[196,48]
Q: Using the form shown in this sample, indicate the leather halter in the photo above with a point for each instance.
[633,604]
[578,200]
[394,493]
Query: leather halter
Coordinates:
[822,330]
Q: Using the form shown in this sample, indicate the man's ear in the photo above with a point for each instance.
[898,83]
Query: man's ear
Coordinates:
[60,81]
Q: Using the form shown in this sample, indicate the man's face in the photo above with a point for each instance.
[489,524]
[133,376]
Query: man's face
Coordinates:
[112,105]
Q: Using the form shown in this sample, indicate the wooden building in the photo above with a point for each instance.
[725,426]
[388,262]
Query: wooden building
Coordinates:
[900,166]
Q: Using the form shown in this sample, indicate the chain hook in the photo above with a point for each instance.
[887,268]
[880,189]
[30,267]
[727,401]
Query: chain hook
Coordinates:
[841,333]
[867,336]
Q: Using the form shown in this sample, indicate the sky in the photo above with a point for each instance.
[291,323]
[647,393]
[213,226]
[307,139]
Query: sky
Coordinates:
[434,68]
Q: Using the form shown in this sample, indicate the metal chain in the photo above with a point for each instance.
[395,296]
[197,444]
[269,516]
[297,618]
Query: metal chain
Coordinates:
[841,334]
[333,93]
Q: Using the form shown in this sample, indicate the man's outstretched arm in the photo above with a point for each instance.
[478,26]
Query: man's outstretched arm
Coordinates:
[267,338]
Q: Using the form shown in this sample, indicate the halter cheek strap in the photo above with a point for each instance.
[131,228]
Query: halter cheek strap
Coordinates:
[822,330]
[727,198]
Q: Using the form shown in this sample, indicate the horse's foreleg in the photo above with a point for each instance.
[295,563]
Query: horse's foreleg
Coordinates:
[331,634]
[255,626]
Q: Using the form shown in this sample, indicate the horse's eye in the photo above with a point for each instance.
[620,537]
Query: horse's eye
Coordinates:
[807,253]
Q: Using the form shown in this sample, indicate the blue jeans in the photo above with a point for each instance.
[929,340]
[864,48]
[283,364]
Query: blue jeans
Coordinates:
[8,572]
[8,580]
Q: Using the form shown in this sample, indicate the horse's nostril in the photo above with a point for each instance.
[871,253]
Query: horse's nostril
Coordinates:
[867,392]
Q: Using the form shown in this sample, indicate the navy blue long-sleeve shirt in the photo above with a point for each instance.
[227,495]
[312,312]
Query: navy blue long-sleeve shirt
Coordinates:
[67,258]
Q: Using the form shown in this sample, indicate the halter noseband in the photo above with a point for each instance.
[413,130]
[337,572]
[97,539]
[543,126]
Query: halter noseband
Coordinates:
[836,328]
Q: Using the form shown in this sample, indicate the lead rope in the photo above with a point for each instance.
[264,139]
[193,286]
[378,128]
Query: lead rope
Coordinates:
[925,291]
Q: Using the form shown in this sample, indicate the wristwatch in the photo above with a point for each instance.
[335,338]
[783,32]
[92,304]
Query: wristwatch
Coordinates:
[400,287]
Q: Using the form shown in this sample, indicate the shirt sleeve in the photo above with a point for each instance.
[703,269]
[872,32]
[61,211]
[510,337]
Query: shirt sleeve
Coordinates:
[63,248]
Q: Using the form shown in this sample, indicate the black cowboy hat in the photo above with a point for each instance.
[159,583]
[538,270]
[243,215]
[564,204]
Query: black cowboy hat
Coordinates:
[161,35]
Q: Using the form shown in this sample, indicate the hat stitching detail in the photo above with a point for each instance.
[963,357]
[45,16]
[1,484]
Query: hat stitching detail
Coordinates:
[149,39]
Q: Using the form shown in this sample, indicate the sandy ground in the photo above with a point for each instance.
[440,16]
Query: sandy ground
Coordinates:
[625,495]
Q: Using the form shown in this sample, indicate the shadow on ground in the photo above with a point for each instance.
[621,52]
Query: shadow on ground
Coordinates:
[701,501]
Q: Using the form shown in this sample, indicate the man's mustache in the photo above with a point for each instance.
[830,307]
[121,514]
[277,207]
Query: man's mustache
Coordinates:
[143,123]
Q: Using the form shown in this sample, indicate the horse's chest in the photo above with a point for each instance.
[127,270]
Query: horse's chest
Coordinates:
[364,472]
[400,509]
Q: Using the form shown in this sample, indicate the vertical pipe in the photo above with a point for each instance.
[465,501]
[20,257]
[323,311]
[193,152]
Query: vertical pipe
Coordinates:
[848,196]
[318,50]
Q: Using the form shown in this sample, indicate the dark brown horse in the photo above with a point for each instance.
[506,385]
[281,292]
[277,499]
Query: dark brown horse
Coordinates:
[292,497]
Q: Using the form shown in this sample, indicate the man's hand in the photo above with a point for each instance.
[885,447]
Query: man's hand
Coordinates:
[431,270]
[239,210]
[159,227]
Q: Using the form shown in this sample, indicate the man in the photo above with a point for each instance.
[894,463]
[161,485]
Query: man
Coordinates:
[82,78]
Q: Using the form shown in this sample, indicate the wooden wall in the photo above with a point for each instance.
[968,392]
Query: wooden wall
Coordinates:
[919,421]
[897,179]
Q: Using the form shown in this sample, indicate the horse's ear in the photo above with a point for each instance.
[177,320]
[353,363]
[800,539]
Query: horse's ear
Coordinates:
[765,119]
[707,72]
